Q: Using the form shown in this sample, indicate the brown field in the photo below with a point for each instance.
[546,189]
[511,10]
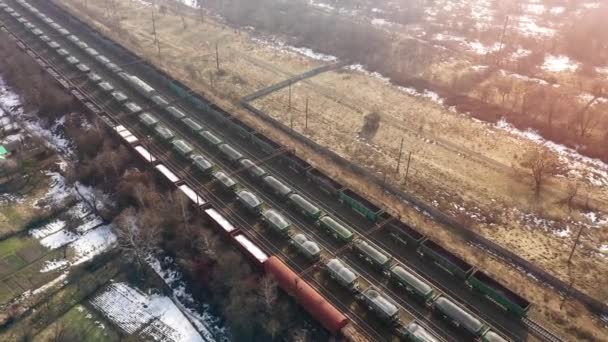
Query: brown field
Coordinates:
[456,162]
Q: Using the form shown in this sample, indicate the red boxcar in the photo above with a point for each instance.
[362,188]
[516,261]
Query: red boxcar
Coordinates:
[332,319]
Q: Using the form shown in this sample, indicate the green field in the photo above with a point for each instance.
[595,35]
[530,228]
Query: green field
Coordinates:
[80,323]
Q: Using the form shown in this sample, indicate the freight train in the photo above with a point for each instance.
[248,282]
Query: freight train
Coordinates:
[403,233]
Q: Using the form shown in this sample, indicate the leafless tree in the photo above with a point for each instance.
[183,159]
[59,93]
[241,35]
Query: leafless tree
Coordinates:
[135,240]
[542,163]
[207,244]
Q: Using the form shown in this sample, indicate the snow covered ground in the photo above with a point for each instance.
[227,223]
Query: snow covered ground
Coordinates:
[92,237]
[153,316]
[205,323]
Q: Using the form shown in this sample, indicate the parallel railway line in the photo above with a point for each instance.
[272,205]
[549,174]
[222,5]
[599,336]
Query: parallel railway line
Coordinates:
[116,111]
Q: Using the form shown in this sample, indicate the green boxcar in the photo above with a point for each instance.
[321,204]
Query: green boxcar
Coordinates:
[178,90]
[210,138]
[304,207]
[276,222]
[202,164]
[193,125]
[337,230]
[360,205]
[444,259]
[372,255]
[182,148]
[499,294]
[411,283]
[148,120]
[164,133]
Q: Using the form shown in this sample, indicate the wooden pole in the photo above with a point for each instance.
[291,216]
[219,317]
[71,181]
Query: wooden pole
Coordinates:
[217,57]
[399,158]
[306,115]
[289,103]
[407,170]
[502,37]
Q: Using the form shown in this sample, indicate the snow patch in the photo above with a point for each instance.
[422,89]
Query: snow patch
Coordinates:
[593,170]
[408,90]
[528,26]
[559,64]
[53,265]
[205,323]
[153,315]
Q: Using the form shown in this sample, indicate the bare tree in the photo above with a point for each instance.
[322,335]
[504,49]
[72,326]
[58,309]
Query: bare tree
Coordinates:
[135,240]
[571,193]
[542,163]
[207,244]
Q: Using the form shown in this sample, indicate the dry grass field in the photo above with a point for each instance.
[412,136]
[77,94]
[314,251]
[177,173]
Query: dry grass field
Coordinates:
[471,170]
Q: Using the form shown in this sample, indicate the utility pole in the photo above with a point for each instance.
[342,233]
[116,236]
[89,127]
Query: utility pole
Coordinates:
[156,41]
[399,158]
[502,37]
[407,170]
[569,265]
[217,57]
[289,103]
[306,115]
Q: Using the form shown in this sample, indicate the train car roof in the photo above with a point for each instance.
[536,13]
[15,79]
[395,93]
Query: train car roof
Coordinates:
[276,219]
[372,252]
[248,197]
[457,313]
[339,269]
[382,302]
[411,279]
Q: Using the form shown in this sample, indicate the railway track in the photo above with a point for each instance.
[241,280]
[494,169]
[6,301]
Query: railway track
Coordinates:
[546,334]
[116,112]
[160,152]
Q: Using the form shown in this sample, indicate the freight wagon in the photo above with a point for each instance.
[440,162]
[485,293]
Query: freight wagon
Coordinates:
[381,305]
[444,259]
[373,255]
[202,164]
[182,148]
[360,204]
[334,228]
[499,294]
[149,120]
[249,201]
[415,333]
[401,232]
[225,181]
[210,138]
[306,247]
[230,153]
[176,113]
[132,108]
[276,222]
[491,336]
[304,206]
[458,316]
[325,183]
[252,169]
[411,283]
[164,133]
[317,306]
[193,125]
[342,274]
[277,187]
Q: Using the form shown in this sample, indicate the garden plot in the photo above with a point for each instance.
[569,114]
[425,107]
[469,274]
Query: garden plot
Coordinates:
[150,315]
[79,323]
